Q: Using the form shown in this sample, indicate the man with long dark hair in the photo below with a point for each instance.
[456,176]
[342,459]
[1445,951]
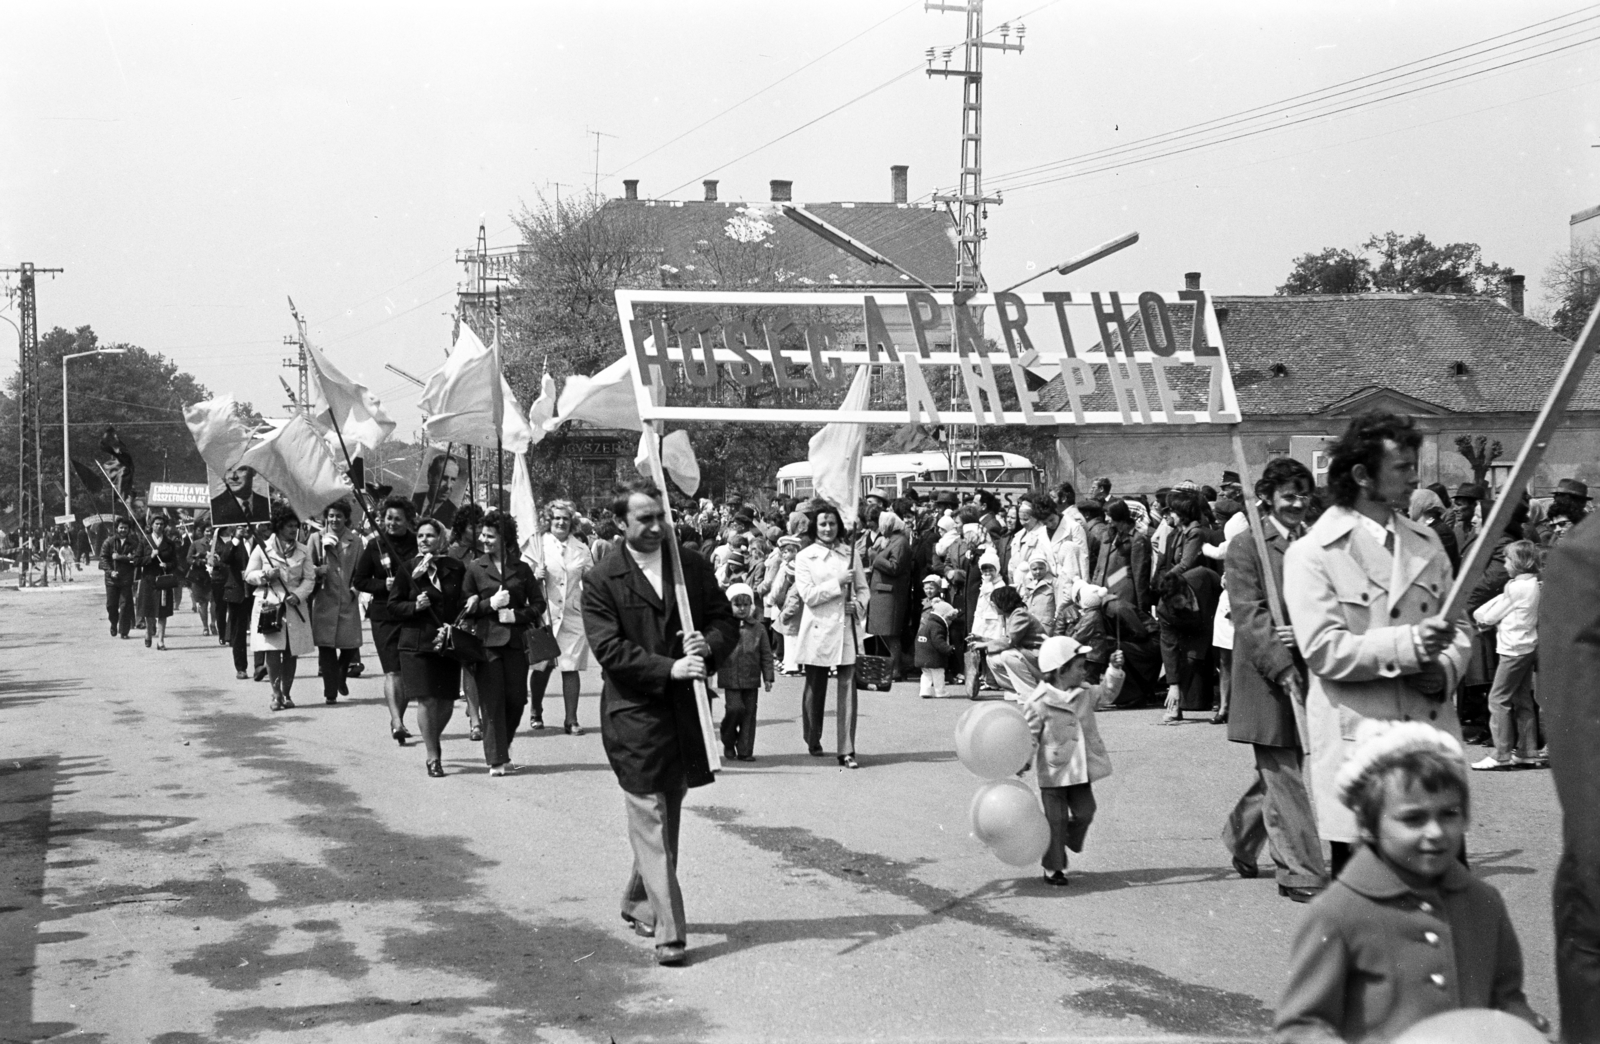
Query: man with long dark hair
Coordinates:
[1365,590]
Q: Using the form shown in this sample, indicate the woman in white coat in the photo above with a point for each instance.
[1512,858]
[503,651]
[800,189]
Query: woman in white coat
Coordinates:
[566,560]
[283,576]
[833,593]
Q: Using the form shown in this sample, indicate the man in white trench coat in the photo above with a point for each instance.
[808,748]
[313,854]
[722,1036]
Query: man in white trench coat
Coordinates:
[1365,589]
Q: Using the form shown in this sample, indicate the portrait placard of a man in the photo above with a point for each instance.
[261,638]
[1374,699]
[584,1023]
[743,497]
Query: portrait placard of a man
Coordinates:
[239,501]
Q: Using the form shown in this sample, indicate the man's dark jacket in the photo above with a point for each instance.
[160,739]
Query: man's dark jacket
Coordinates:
[226,510]
[648,720]
[1259,709]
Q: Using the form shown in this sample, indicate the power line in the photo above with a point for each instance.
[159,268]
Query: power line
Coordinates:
[1253,132]
[768,87]
[1321,96]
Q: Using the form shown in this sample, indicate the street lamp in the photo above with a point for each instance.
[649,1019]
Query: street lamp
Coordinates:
[66,430]
[1083,260]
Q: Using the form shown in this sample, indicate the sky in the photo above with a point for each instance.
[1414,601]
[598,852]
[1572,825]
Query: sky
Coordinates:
[193,165]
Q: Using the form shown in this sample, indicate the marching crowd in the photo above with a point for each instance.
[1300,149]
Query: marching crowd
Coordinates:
[1067,604]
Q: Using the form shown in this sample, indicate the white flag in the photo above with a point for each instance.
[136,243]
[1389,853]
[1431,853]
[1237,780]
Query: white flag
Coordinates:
[835,452]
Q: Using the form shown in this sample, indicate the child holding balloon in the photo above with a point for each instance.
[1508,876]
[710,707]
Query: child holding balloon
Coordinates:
[1405,932]
[1070,755]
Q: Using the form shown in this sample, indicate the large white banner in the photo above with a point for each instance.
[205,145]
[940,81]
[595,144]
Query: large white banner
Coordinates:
[1142,358]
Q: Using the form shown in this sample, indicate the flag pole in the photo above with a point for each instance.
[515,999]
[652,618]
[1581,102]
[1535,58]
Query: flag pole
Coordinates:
[702,702]
[499,432]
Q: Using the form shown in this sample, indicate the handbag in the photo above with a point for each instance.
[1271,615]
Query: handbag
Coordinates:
[455,642]
[542,644]
[270,619]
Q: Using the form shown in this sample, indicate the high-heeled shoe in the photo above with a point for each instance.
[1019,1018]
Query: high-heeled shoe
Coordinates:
[400,735]
[161,645]
[436,770]
[147,640]
[848,761]
[476,735]
[573,729]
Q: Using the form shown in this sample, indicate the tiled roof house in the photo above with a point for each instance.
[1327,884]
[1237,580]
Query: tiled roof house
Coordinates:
[1303,365]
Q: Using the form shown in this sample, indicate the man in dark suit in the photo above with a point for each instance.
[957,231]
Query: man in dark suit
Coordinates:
[239,502]
[1267,685]
[1569,663]
[649,722]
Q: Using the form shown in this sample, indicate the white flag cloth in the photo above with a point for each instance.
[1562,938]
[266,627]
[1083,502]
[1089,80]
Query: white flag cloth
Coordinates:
[516,434]
[677,460]
[835,453]
[606,399]
[345,406]
[298,463]
[543,408]
[464,401]
[525,511]
[219,434]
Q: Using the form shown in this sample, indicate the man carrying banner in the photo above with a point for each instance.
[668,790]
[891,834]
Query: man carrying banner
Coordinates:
[1365,590]
[649,722]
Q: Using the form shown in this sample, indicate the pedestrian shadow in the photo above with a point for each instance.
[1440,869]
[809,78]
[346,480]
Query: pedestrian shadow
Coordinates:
[18,690]
[545,971]
[867,760]
[1091,882]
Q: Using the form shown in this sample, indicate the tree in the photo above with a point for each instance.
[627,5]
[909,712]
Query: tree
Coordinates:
[141,393]
[1398,264]
[1480,452]
[1333,271]
[1573,281]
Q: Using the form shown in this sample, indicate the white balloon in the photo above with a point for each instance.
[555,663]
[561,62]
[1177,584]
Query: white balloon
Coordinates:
[993,740]
[1006,816]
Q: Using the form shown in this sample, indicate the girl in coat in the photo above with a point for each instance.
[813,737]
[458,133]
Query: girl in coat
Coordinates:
[777,600]
[1406,931]
[742,674]
[1070,755]
[561,570]
[427,594]
[833,593]
[890,566]
[1514,613]
[282,574]
[335,609]
[932,654]
[1040,590]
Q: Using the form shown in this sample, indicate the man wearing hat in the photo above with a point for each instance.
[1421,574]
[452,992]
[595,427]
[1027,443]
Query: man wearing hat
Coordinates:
[1570,499]
[1465,526]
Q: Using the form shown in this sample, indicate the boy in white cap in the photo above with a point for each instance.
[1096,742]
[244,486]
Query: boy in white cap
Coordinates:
[1070,755]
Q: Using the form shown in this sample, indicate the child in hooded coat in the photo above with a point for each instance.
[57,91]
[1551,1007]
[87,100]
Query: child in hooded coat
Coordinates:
[932,654]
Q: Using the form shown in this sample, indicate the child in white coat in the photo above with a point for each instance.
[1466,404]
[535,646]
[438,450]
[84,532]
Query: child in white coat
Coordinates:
[1513,722]
[1070,755]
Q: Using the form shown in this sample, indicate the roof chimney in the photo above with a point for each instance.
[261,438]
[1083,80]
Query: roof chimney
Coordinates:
[630,188]
[711,189]
[897,182]
[1514,288]
[1191,280]
[782,191]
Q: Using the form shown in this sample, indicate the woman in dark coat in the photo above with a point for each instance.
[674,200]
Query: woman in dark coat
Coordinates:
[1123,565]
[427,594]
[891,587]
[158,570]
[1185,547]
[1187,611]
[375,574]
[503,598]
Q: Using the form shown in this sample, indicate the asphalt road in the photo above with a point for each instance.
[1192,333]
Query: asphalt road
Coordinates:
[179,864]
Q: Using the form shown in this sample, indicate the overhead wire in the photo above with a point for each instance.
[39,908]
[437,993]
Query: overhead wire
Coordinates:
[1116,163]
[768,87]
[1160,146]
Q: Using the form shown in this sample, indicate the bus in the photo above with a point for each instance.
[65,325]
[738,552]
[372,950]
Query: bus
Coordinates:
[889,474]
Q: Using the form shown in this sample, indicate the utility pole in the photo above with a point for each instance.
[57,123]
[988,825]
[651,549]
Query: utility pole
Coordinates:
[473,305]
[597,136]
[970,202]
[28,412]
[299,362]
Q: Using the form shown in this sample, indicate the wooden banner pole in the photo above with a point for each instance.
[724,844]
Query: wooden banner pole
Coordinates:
[1550,417]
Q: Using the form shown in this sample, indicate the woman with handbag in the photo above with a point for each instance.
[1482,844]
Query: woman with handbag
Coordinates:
[335,609]
[425,601]
[503,599]
[197,574]
[159,572]
[280,621]
[833,594]
[386,553]
[566,560]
